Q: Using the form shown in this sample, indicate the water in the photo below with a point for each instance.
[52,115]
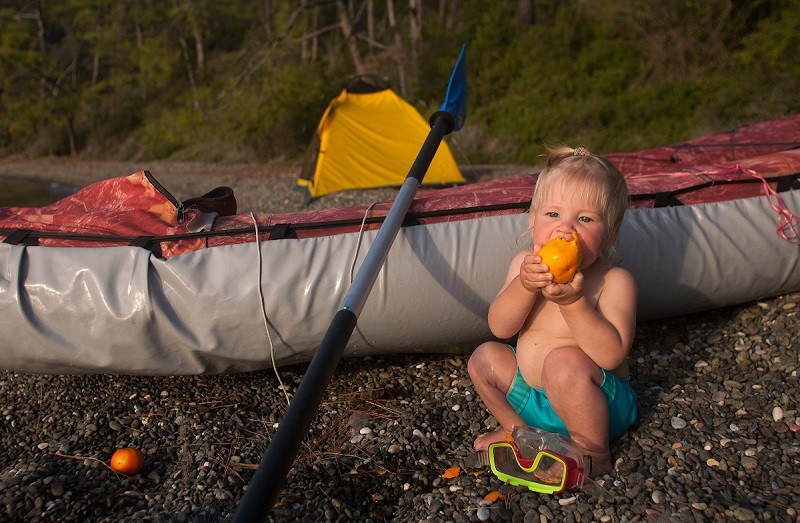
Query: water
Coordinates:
[22,192]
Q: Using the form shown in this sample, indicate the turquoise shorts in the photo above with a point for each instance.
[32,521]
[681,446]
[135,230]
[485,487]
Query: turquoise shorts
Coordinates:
[534,408]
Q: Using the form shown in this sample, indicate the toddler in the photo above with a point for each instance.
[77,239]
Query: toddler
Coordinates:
[568,372]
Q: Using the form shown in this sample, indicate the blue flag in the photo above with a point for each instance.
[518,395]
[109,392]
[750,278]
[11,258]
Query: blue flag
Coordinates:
[455,101]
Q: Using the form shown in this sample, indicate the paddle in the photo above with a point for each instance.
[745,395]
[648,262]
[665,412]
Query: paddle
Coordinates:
[278,459]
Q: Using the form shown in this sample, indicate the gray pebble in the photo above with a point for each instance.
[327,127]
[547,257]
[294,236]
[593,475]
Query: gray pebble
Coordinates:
[678,423]
[744,514]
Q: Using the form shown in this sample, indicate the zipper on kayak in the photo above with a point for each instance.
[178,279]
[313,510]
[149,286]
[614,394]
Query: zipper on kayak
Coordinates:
[180,211]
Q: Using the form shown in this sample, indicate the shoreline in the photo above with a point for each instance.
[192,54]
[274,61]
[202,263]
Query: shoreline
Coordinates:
[268,187]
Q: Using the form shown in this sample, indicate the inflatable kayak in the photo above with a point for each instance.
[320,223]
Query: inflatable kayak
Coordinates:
[121,277]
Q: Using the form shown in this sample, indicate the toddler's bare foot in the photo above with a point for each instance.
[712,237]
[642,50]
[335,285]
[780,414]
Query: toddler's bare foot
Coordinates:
[483,441]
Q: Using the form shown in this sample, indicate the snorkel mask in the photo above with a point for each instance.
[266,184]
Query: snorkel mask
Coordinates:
[544,462]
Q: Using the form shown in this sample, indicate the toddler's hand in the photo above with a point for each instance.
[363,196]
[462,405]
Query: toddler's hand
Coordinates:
[533,274]
[565,293]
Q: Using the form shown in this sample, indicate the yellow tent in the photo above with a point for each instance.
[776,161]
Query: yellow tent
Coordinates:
[370,139]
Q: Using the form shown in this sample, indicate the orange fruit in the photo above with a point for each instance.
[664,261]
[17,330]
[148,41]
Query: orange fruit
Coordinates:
[563,257]
[128,461]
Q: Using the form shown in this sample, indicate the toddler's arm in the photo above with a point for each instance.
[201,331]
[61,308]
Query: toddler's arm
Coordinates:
[512,305]
[605,333]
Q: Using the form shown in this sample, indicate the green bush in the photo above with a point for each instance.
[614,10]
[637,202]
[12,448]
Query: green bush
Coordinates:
[129,80]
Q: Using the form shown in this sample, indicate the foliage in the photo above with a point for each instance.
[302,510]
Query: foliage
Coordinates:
[247,80]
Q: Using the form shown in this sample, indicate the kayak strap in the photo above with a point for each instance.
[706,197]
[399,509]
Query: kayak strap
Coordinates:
[282,231]
[788,183]
[147,242]
[666,199]
[21,237]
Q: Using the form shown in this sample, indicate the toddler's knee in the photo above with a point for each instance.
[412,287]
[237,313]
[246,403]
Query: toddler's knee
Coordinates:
[565,367]
[487,356]
[478,358]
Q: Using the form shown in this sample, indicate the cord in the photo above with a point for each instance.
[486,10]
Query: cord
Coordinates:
[264,311]
[360,236]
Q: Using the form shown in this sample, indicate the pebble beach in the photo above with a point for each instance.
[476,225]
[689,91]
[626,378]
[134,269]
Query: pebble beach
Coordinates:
[718,435]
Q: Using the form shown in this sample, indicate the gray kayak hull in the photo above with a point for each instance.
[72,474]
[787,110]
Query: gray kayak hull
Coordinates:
[122,310]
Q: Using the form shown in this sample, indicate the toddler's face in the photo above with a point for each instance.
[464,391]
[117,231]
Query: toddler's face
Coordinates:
[567,209]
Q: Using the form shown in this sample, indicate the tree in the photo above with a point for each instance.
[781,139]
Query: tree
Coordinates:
[349,36]
[147,78]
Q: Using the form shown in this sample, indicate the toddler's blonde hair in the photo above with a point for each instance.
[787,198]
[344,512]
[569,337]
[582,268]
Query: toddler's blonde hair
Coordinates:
[588,172]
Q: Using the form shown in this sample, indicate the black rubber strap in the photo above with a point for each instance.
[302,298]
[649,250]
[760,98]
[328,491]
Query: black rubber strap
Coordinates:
[282,231]
[146,242]
[21,237]
[666,199]
[788,183]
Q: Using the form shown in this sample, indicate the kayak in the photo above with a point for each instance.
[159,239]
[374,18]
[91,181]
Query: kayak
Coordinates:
[122,278]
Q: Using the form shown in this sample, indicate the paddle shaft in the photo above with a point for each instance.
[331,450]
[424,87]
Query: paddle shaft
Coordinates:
[442,124]
[265,486]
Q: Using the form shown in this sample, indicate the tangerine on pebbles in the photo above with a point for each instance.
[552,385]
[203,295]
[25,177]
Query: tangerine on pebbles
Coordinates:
[562,257]
[128,461]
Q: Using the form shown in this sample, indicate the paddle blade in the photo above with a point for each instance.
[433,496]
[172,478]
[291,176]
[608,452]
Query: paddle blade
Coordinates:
[455,101]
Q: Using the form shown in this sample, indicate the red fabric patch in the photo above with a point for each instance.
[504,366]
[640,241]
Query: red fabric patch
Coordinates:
[129,207]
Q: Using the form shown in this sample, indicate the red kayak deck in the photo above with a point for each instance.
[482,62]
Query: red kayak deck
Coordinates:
[137,210]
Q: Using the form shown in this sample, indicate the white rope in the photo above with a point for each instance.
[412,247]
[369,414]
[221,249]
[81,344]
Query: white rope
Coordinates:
[360,236]
[264,312]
